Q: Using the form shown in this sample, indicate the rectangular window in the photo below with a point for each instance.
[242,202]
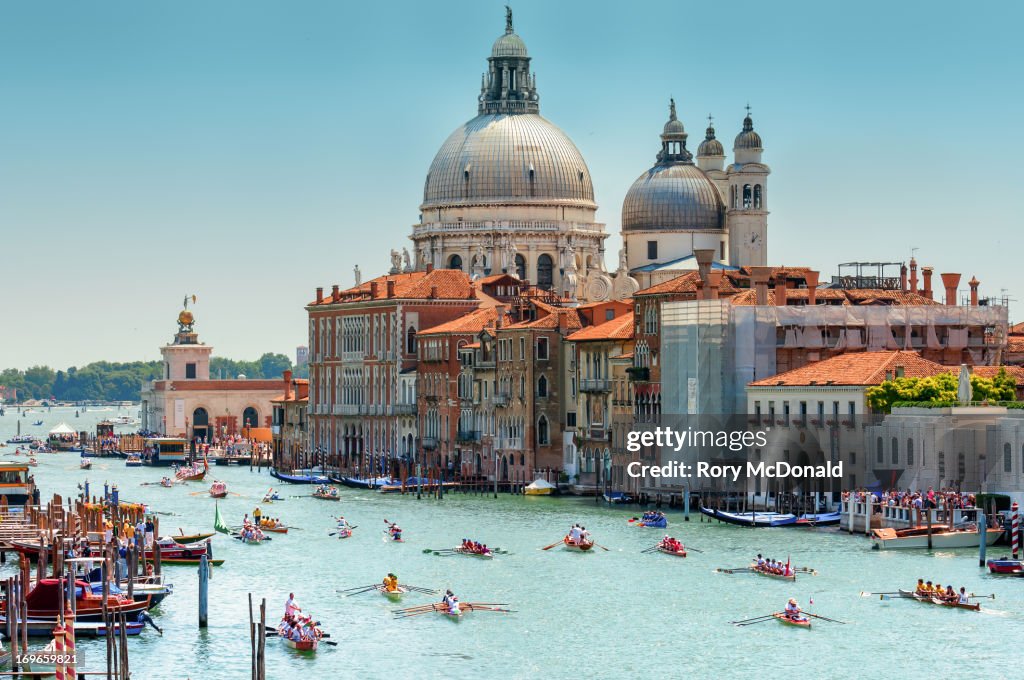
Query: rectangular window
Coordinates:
[609,314]
[522,348]
[835,409]
[821,409]
[852,408]
[190,371]
[652,250]
[570,419]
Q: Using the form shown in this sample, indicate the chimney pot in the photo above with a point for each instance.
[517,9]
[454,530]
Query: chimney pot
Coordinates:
[974,283]
[950,283]
[319,294]
[759,277]
[714,282]
[913,275]
[927,292]
[287,385]
[433,292]
[335,293]
[374,288]
[780,289]
[903,277]
[391,288]
[430,267]
[811,278]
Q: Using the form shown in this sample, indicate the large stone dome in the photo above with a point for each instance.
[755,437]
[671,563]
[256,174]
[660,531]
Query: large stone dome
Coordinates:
[508,158]
[672,196]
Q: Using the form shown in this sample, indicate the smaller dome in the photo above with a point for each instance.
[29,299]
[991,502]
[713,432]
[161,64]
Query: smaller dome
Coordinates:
[710,146]
[509,45]
[674,127]
[186,318]
[747,139]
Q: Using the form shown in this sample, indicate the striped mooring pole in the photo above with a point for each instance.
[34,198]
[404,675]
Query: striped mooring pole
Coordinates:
[1014,523]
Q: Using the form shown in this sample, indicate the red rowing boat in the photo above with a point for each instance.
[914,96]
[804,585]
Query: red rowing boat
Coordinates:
[582,546]
[782,617]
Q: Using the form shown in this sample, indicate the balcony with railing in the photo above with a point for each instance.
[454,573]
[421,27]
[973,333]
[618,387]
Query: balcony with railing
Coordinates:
[429,443]
[639,373]
[500,399]
[468,435]
[595,385]
[403,409]
[596,433]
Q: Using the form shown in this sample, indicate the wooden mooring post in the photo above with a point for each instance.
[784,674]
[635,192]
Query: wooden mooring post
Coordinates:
[204,590]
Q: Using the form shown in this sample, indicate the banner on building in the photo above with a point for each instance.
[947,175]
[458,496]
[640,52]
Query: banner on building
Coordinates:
[179,414]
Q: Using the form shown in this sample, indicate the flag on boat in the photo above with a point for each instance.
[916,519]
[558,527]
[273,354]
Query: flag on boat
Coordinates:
[218,522]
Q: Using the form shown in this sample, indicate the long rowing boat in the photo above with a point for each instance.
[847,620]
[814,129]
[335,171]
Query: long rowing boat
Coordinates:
[763,572]
[934,600]
[781,617]
[393,595]
[191,538]
[459,550]
[677,553]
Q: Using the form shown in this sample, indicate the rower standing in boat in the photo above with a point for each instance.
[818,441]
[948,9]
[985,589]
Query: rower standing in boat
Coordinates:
[290,607]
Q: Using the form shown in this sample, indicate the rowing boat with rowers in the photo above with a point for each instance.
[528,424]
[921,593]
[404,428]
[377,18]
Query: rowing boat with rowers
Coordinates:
[582,546]
[764,572]
[909,594]
[668,551]
[393,594]
[459,550]
[782,617]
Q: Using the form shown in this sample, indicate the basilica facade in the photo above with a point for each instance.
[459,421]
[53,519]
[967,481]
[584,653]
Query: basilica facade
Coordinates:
[509,192]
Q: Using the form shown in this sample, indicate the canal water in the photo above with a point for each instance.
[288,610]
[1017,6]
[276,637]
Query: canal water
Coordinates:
[605,613]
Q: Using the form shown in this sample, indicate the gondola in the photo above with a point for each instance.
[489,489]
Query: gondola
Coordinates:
[821,519]
[751,519]
[371,483]
[298,478]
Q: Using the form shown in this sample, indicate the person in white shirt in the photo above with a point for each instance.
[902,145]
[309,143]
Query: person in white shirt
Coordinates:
[290,607]
[963,599]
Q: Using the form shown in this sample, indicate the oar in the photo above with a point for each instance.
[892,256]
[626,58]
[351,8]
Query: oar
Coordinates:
[751,622]
[824,618]
[973,596]
[651,549]
[867,594]
[756,618]
[348,590]
[438,550]
[360,592]
[688,548]
[549,547]
[418,589]
[602,547]
[733,571]
[476,607]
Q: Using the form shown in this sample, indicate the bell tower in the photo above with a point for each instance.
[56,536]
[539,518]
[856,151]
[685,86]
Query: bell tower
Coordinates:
[747,210]
[185,358]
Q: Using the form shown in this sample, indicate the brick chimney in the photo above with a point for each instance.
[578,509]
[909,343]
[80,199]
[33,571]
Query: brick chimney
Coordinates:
[811,277]
[287,385]
[391,288]
[563,323]
[319,294]
[913,275]
[374,288]
[780,289]
[335,293]
[430,267]
[950,283]
[714,282]
[500,309]
[974,283]
[927,292]
[433,292]
[472,291]
[903,277]
[759,279]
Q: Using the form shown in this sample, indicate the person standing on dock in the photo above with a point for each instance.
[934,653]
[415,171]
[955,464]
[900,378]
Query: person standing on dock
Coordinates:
[150,532]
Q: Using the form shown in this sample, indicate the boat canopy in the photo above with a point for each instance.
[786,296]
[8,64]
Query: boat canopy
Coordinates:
[63,428]
[541,484]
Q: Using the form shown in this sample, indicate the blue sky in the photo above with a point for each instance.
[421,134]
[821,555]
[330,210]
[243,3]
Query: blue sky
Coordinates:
[248,151]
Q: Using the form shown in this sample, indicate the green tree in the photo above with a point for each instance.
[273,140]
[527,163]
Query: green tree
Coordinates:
[938,389]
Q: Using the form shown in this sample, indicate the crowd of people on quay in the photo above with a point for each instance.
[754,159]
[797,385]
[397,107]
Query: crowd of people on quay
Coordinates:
[906,498]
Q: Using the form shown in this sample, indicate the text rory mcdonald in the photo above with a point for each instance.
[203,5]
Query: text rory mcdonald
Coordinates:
[704,470]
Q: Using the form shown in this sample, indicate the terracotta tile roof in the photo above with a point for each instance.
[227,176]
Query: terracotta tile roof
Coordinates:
[620,328]
[1017,329]
[990,371]
[468,324]
[1015,344]
[452,284]
[221,385]
[550,321]
[859,297]
[858,368]
[870,296]
[687,283]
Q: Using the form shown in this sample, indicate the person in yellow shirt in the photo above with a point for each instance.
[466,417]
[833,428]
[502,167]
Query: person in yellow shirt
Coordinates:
[391,583]
[128,530]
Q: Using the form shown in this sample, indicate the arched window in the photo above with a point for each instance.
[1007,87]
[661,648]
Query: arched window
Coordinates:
[545,271]
[880,455]
[732,196]
[543,435]
[746,197]
[410,341]
[522,387]
[455,262]
[1007,458]
[757,197]
[910,453]
[542,387]
[250,418]
[895,451]
[520,267]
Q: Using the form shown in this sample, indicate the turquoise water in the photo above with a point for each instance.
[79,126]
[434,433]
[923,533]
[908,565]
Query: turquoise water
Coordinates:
[616,613]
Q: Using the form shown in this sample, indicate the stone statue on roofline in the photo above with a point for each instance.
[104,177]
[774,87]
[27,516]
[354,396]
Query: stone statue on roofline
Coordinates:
[477,267]
[406,261]
[396,262]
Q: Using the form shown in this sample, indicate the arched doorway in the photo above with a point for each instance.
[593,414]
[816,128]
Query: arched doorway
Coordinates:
[250,418]
[520,267]
[200,424]
[545,271]
[504,469]
[455,262]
